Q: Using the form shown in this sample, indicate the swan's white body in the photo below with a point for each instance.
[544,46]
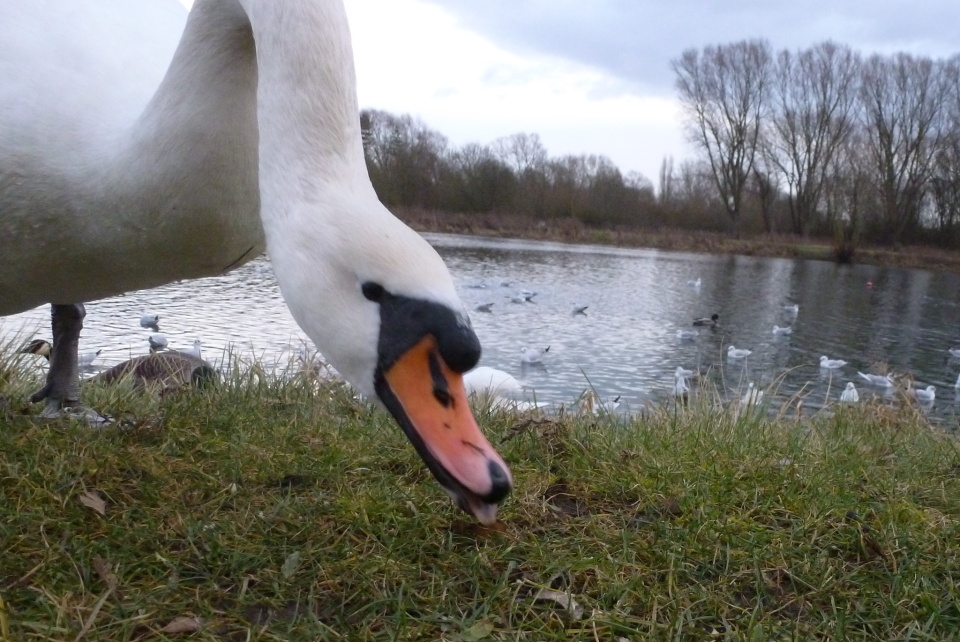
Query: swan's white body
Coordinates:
[139,146]
[491,381]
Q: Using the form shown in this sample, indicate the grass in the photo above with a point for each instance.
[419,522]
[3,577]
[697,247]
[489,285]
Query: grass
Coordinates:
[286,510]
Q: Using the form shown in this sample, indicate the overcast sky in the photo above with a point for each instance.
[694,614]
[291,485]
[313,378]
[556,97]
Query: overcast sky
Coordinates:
[593,76]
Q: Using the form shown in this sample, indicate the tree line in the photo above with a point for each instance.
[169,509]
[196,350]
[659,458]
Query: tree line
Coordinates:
[818,142]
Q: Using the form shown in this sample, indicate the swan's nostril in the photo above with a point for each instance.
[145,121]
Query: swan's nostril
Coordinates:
[500,483]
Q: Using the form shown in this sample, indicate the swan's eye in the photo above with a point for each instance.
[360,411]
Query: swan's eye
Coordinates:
[373,291]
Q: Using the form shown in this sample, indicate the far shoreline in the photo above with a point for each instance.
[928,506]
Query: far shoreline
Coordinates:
[922,257]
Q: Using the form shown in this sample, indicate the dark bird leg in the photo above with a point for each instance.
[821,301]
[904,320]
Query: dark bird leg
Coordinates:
[62,389]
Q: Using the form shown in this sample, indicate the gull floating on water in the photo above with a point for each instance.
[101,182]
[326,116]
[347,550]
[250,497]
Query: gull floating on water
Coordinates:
[533,355]
[157,341]
[777,330]
[687,335]
[831,364]
[524,296]
[792,308]
[926,395]
[592,404]
[195,350]
[580,309]
[682,373]
[151,321]
[883,381]
[850,394]
[714,319]
[484,307]
[694,283]
[954,352]
[738,353]
[86,360]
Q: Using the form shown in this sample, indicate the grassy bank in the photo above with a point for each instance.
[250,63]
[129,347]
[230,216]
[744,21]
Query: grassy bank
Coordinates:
[291,511]
[775,246]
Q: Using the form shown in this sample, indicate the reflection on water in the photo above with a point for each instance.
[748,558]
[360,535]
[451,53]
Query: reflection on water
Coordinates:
[626,342]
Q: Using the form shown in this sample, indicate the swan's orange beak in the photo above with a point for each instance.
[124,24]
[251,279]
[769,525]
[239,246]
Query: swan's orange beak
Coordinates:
[429,401]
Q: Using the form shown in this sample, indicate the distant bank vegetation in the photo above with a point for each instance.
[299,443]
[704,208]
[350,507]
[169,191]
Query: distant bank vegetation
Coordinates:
[821,142]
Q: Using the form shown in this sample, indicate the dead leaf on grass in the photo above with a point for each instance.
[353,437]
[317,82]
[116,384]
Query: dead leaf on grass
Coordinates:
[565,600]
[92,499]
[183,624]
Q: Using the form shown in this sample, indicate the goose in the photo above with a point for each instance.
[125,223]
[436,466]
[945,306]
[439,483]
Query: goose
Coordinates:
[170,369]
[40,347]
[533,355]
[150,321]
[926,395]
[850,394]
[777,330]
[491,381]
[133,129]
[882,381]
[687,335]
[738,353]
[484,307]
[831,364]
[713,320]
[158,341]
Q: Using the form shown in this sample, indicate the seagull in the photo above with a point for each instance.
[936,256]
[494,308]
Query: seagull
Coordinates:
[926,395]
[479,285]
[777,330]
[792,308]
[680,387]
[682,373]
[882,381]
[687,335]
[753,396]
[712,321]
[525,296]
[484,307]
[831,364]
[533,355]
[157,341]
[957,385]
[195,350]
[151,321]
[86,359]
[850,394]
[738,353]
[592,404]
[580,309]
[694,283]
[954,352]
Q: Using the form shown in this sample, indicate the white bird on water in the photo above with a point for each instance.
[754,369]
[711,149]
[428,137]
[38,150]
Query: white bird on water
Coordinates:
[579,309]
[533,355]
[195,350]
[222,133]
[753,396]
[777,330]
[158,341]
[881,381]
[792,308]
[86,359]
[484,307]
[831,364]
[850,394]
[926,395]
[738,353]
[150,321]
[957,385]
[687,335]
[954,352]
[492,381]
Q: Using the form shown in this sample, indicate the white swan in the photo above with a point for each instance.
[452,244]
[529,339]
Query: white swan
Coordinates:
[127,135]
[492,381]
[882,381]
[831,364]
[850,394]
[738,353]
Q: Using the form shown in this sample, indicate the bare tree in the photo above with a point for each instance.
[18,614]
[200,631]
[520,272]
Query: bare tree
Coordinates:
[814,100]
[521,152]
[903,101]
[723,91]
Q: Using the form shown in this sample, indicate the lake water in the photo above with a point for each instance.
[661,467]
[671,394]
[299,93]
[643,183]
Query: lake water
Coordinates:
[626,344]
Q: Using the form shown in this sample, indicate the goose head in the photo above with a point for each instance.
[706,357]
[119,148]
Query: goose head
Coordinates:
[40,347]
[381,306]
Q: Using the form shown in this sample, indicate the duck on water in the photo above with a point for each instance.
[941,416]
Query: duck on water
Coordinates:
[199,141]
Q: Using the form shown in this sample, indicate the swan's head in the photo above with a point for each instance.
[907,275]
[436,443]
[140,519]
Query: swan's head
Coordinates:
[379,303]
